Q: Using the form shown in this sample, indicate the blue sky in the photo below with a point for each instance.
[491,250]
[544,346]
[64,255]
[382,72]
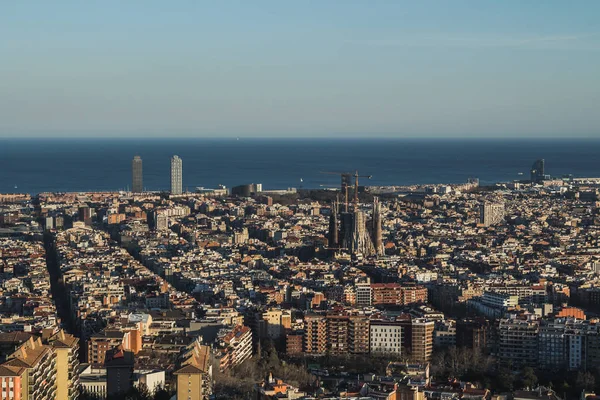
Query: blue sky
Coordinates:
[300,68]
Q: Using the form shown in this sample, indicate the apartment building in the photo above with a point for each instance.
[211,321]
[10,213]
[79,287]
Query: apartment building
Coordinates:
[386,337]
[338,334]
[518,340]
[34,368]
[315,334]
[276,322]
[235,346]
[195,374]
[358,334]
[66,348]
[422,339]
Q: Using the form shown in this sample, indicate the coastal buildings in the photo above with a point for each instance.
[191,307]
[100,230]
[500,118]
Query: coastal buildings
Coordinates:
[176,175]
[537,172]
[137,182]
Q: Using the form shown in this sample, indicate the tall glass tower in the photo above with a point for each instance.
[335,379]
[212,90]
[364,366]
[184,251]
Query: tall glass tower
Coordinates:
[176,175]
[537,171]
[137,175]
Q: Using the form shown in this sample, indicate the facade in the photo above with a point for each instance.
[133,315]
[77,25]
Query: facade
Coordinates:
[93,381]
[471,333]
[315,338]
[85,215]
[491,213]
[386,337]
[15,379]
[137,175]
[422,339]
[35,364]
[358,334]
[176,175]
[364,294]
[100,343]
[195,374]
[518,341]
[235,346]
[276,322]
[337,334]
[66,348]
[293,343]
[119,371]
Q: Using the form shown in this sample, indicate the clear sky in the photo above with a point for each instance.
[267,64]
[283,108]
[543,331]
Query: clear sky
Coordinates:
[300,68]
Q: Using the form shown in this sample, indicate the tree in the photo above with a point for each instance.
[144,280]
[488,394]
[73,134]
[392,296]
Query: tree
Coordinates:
[585,381]
[529,379]
[504,381]
[162,394]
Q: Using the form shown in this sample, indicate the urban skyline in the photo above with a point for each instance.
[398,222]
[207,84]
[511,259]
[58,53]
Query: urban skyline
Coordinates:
[247,292]
[383,200]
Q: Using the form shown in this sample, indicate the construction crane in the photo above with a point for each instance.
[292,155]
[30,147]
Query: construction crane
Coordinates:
[346,179]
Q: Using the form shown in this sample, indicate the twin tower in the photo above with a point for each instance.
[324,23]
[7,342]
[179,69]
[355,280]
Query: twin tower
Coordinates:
[176,175]
[354,232]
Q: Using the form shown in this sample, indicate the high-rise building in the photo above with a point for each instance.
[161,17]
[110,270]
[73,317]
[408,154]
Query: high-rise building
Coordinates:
[537,171]
[491,213]
[85,214]
[234,346]
[471,333]
[518,341]
[364,294]
[137,175]
[66,348]
[337,334]
[32,370]
[195,374]
[315,335]
[422,339]
[119,371]
[176,175]
[358,334]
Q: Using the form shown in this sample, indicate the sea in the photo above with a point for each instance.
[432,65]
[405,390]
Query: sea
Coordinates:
[75,165]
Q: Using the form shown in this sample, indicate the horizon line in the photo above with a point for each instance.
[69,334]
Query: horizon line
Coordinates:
[315,137]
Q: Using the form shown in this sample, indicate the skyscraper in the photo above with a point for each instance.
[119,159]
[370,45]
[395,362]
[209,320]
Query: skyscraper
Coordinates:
[176,175]
[537,171]
[137,174]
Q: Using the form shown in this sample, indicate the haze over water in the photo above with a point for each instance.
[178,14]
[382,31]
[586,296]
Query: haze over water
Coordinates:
[37,165]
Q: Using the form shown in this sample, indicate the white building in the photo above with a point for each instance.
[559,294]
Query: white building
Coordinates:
[364,294]
[386,337]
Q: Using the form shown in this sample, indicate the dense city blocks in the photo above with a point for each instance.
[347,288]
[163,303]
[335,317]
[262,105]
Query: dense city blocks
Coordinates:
[416,292]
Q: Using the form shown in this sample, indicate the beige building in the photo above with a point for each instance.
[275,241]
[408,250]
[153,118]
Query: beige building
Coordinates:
[34,365]
[66,348]
[195,375]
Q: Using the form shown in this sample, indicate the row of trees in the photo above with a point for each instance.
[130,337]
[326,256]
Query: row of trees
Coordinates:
[137,393]
[239,382]
[484,370]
